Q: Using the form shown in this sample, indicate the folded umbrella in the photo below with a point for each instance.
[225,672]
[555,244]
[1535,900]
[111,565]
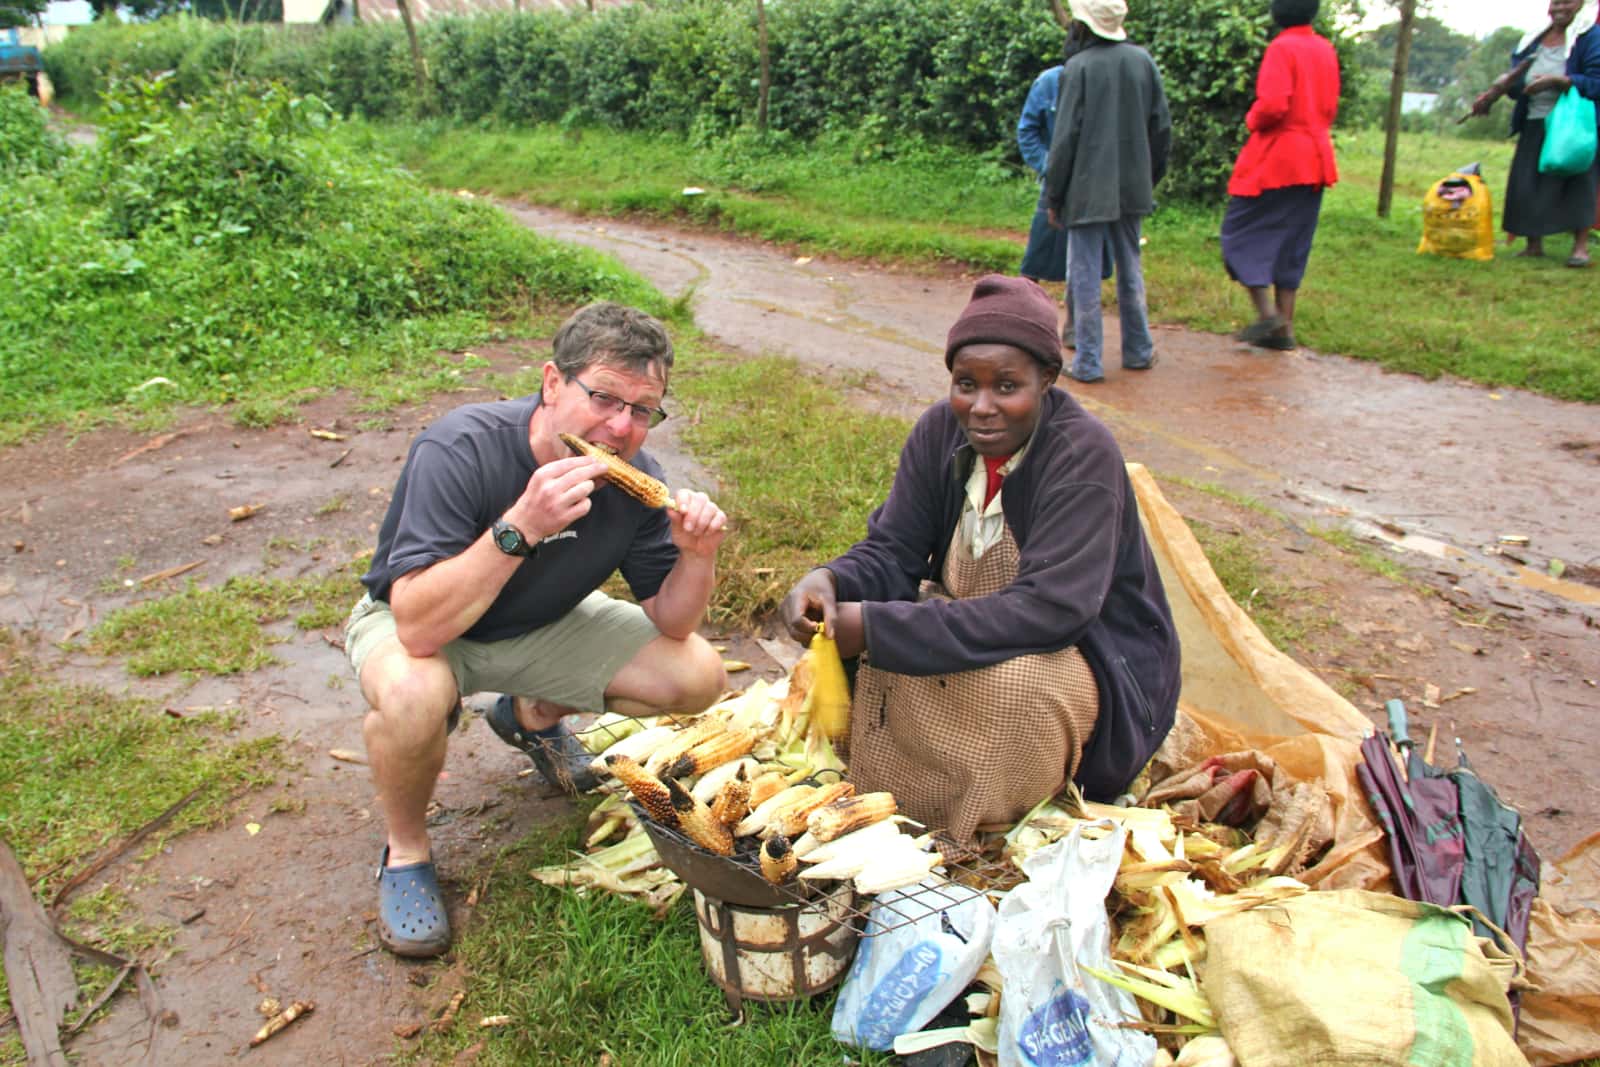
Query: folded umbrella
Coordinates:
[1420,817]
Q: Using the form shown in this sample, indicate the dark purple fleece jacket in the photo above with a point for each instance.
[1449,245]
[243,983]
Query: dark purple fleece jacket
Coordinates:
[1086,577]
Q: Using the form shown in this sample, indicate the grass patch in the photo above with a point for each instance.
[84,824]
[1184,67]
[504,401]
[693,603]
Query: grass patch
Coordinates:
[598,976]
[1221,492]
[222,630]
[1368,294]
[1250,582]
[801,468]
[912,204]
[1364,555]
[81,768]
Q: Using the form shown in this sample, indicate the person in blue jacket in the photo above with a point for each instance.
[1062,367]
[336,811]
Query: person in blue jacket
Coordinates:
[1046,256]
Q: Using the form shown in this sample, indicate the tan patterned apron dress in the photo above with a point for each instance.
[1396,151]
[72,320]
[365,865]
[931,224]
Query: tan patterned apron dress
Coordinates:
[975,748]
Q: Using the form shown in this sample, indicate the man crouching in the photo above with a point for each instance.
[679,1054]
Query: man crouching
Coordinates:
[486,579]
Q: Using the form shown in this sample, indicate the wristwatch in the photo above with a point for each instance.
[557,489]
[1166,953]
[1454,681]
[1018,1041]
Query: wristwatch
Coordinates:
[509,539]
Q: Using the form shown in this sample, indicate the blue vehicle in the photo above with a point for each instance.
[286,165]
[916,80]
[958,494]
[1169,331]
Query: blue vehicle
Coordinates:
[18,60]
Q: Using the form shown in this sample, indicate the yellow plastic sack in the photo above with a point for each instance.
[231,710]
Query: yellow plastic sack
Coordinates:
[1350,977]
[1458,228]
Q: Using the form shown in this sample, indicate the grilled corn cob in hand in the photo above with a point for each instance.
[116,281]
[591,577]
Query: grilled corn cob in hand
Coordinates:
[630,479]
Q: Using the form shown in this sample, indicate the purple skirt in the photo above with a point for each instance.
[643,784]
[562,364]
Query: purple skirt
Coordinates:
[1266,239]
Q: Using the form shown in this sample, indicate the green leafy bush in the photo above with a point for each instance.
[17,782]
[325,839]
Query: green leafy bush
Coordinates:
[886,72]
[247,245]
[27,144]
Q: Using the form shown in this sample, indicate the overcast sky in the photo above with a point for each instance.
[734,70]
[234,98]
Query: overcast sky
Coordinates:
[1475,17]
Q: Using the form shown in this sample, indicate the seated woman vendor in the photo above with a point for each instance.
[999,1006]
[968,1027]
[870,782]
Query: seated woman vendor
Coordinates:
[1011,625]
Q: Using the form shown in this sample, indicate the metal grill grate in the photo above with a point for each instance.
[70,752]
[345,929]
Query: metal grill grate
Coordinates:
[738,879]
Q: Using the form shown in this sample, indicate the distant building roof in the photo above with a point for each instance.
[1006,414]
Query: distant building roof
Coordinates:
[1418,103]
[67,13]
[388,10]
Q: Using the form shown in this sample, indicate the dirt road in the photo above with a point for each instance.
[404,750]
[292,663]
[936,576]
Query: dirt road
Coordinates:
[1452,465]
[287,911]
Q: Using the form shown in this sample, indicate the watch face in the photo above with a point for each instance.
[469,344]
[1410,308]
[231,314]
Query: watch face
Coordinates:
[509,538]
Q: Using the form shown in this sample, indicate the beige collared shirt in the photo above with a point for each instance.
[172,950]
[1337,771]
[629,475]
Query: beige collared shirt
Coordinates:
[981,526]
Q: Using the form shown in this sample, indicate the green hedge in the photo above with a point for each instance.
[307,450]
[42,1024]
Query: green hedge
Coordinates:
[249,247]
[946,71]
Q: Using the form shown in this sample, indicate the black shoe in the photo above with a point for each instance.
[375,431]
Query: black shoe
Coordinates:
[1261,329]
[556,753]
[1151,362]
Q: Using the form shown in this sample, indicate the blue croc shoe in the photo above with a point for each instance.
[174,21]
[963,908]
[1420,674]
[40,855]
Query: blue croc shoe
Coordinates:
[556,752]
[411,917]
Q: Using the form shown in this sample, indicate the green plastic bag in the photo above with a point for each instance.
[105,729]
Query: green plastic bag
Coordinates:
[1569,136]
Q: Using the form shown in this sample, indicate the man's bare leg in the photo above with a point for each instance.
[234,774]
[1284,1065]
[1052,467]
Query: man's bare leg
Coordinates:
[410,701]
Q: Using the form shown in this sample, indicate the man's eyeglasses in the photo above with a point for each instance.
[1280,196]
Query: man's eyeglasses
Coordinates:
[608,404]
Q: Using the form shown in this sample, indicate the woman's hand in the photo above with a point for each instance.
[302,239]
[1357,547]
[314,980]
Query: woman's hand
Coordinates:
[1548,83]
[811,602]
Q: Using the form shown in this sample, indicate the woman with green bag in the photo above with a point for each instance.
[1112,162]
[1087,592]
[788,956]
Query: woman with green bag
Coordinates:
[1565,55]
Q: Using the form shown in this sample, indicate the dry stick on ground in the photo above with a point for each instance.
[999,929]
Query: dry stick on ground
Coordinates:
[39,976]
[38,969]
[171,572]
[99,864]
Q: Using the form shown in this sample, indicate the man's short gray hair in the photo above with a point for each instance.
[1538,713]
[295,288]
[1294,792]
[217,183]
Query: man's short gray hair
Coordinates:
[614,334]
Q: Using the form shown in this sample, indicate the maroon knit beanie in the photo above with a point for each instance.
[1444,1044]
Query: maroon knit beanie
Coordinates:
[1005,310]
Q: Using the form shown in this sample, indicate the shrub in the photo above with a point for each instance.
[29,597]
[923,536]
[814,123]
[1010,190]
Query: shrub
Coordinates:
[947,71]
[247,245]
[27,145]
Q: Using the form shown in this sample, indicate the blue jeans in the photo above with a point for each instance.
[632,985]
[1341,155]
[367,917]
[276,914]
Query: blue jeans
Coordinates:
[1087,246]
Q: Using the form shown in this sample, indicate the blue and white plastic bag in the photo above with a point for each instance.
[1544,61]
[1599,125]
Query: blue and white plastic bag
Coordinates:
[903,977]
[1051,1014]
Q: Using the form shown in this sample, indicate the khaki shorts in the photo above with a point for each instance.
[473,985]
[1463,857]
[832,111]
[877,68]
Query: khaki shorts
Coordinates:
[569,662]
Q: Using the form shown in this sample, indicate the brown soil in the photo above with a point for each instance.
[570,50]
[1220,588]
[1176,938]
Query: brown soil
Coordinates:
[287,912]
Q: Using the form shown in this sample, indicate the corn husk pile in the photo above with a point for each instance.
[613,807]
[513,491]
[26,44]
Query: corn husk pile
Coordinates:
[1176,876]
[741,780]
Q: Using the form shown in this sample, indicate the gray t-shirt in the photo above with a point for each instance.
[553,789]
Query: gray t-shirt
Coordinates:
[1549,59]
[463,472]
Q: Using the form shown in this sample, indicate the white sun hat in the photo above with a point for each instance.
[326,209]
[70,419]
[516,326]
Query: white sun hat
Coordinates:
[1103,17]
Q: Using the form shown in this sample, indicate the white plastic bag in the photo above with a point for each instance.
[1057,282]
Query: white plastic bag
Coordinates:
[1051,1015]
[901,978]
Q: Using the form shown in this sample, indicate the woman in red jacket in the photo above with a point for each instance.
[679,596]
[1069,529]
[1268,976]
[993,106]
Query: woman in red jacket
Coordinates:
[1275,193]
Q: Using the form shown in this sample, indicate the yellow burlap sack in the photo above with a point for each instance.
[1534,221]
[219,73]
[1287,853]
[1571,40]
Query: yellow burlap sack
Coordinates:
[1351,977]
[1462,229]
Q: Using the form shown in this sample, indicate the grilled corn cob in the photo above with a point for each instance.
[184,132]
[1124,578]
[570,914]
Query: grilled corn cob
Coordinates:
[778,863]
[732,801]
[791,821]
[878,834]
[762,813]
[697,822]
[648,791]
[766,787]
[851,813]
[711,783]
[689,736]
[637,747]
[714,751]
[630,479]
